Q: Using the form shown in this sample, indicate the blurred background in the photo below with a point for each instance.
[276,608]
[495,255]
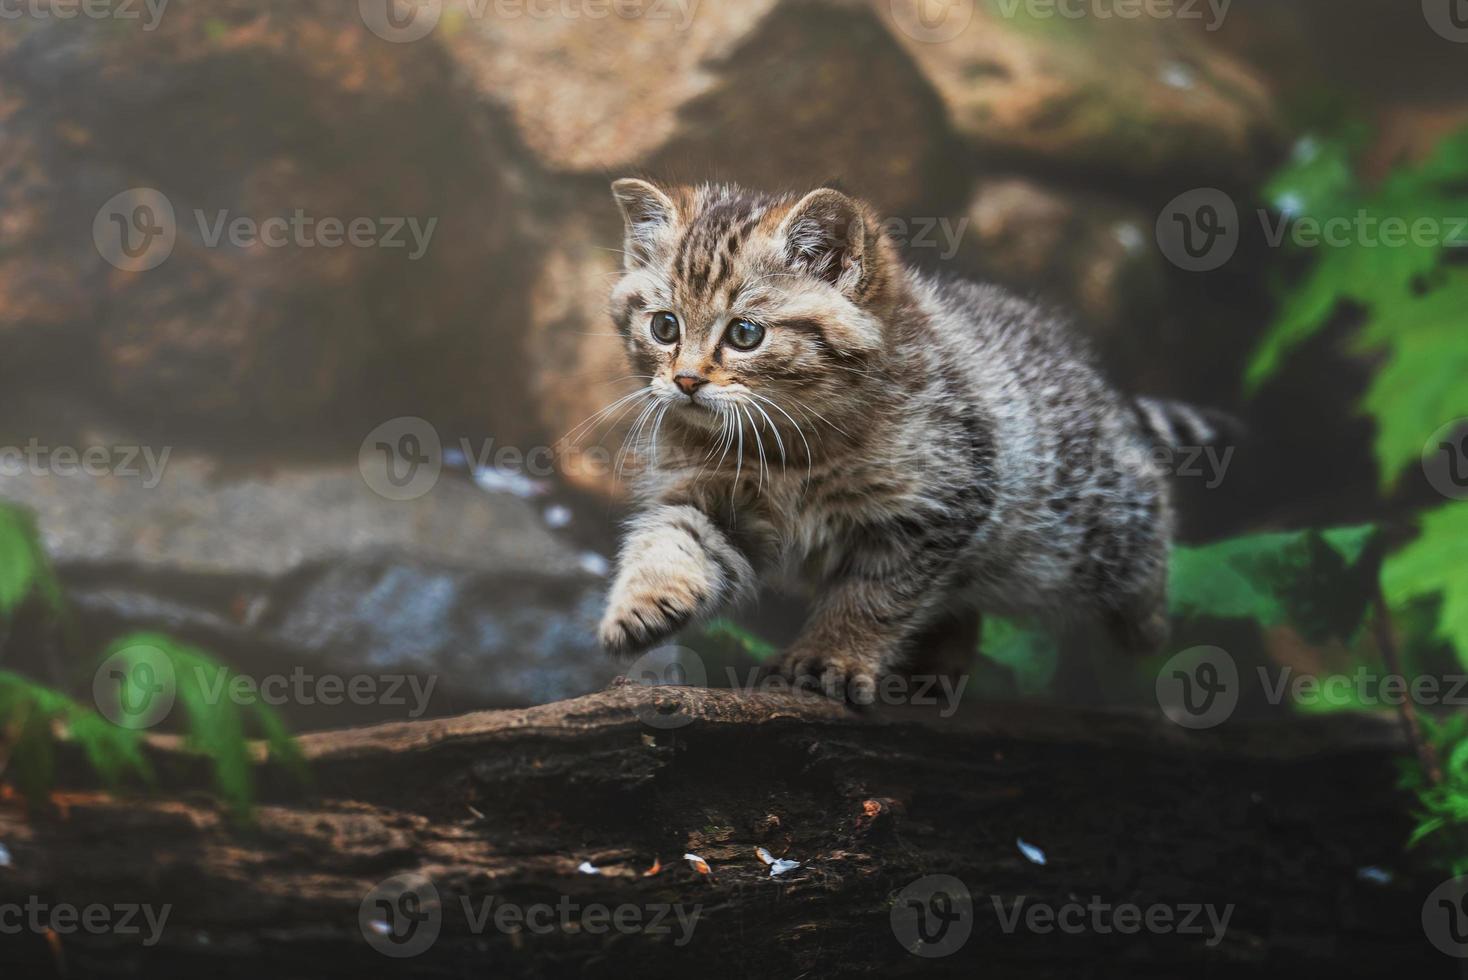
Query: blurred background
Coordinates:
[299,300]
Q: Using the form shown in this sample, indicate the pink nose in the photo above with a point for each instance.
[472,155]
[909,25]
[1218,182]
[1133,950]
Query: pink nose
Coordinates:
[689,383]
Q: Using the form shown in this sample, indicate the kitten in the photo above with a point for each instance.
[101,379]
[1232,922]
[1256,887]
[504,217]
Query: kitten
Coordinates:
[913,449]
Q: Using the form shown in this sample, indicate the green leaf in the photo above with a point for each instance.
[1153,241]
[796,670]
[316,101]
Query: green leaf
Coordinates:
[1442,815]
[1305,310]
[1362,268]
[17,559]
[1311,579]
[215,725]
[1423,380]
[740,638]
[24,567]
[1434,566]
[1349,542]
[1032,655]
[34,717]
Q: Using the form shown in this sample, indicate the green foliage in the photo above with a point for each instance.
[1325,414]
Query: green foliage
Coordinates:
[1412,302]
[1435,564]
[724,632]
[1032,655]
[1442,817]
[24,569]
[1311,579]
[215,725]
[34,717]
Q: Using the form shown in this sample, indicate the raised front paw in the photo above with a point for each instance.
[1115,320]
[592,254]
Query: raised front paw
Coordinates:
[646,610]
[839,675]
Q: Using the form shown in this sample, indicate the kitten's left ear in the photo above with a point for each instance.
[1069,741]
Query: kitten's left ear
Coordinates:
[649,215]
[825,235]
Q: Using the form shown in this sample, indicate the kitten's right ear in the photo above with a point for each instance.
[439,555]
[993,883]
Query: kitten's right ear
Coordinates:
[649,215]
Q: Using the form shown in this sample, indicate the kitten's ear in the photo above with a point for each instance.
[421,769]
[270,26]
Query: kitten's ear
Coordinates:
[825,235]
[649,215]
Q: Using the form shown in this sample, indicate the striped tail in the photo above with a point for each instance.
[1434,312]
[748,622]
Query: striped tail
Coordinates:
[1177,425]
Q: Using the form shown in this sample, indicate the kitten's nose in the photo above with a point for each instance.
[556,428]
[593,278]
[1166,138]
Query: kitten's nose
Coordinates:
[689,383]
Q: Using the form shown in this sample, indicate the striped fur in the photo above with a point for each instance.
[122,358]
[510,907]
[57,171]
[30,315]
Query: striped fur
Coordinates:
[904,446]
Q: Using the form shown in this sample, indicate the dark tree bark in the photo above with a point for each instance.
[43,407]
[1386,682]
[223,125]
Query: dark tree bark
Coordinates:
[1276,820]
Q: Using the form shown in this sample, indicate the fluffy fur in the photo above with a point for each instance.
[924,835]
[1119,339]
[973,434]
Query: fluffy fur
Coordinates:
[906,446]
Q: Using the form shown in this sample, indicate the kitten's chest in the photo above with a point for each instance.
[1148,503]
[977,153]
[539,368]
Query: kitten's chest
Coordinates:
[816,516]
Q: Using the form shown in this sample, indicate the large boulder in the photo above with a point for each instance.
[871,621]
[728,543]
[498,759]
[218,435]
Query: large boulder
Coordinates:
[308,568]
[326,210]
[578,363]
[765,93]
[1137,96]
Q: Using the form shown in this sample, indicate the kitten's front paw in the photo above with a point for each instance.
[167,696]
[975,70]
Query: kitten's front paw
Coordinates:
[839,676]
[640,617]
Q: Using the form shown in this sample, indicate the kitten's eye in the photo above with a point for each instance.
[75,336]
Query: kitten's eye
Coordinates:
[664,328]
[744,334]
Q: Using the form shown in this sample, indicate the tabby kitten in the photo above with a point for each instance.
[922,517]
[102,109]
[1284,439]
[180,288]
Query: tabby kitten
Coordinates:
[911,448]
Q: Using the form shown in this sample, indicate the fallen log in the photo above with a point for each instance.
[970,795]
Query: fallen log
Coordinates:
[550,841]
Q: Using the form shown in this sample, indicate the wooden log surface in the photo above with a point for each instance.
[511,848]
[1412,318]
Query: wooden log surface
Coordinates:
[528,823]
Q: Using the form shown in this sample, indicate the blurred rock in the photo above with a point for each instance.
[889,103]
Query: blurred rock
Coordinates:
[1142,96]
[307,567]
[578,362]
[764,93]
[260,111]
[1090,253]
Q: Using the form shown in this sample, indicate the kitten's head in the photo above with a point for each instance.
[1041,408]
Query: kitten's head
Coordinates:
[736,302]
